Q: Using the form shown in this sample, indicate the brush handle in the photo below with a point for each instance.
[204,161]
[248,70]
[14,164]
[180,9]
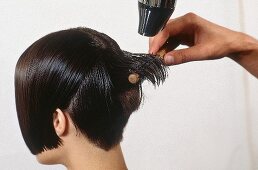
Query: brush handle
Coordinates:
[168,46]
[134,78]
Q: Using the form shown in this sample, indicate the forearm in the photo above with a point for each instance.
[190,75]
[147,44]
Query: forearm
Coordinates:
[247,56]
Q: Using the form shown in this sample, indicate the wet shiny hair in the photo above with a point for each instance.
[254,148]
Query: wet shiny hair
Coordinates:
[84,73]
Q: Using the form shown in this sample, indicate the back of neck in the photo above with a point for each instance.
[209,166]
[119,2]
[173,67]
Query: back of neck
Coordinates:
[94,158]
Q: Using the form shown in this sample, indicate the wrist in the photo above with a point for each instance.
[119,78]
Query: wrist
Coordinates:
[241,45]
[247,54]
[244,44]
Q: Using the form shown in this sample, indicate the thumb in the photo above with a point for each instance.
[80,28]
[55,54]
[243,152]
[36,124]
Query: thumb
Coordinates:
[194,53]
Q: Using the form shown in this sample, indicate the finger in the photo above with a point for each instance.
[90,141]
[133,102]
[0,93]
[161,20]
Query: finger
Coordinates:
[181,24]
[156,42]
[172,28]
[194,53]
[150,42]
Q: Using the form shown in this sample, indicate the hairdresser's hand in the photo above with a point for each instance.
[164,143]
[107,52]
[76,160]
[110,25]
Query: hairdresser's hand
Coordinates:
[206,41]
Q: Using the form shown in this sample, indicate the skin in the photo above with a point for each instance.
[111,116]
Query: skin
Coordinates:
[77,152]
[206,41]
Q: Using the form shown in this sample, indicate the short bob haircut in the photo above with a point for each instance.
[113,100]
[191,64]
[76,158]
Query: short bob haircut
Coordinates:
[84,73]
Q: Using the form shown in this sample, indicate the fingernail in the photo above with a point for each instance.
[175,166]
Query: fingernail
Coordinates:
[169,59]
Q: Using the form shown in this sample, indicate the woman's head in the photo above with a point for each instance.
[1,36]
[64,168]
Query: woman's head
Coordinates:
[85,74]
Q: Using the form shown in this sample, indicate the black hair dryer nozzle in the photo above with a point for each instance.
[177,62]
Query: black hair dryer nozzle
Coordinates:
[153,15]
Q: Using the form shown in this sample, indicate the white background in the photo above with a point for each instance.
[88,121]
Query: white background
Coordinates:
[205,116]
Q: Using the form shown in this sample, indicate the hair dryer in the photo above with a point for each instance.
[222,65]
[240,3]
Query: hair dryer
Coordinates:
[153,15]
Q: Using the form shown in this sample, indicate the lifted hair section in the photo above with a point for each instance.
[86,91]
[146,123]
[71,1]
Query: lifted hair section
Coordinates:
[149,67]
[84,73]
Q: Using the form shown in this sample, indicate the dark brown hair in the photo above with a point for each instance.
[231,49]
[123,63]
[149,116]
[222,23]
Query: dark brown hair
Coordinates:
[84,73]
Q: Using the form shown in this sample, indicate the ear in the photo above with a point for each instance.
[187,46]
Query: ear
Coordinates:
[59,122]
